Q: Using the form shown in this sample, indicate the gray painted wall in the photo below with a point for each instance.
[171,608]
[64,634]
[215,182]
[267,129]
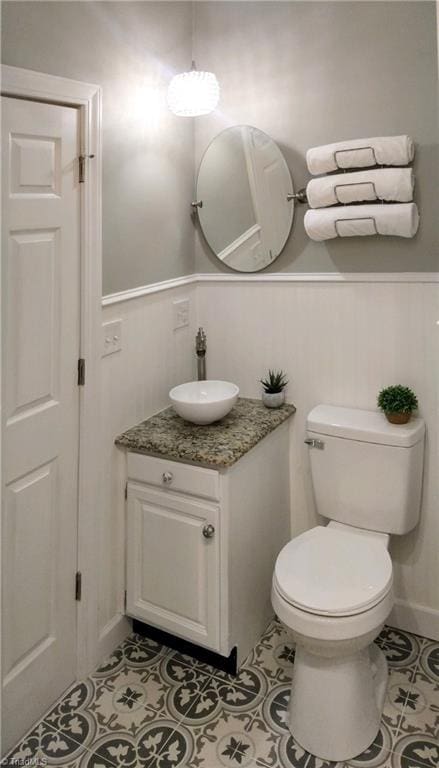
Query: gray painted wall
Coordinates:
[304,72]
[310,73]
[132,50]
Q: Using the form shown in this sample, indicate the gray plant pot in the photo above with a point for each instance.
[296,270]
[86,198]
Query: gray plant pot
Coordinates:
[273,399]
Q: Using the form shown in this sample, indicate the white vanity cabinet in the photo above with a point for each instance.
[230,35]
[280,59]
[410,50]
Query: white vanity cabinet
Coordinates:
[202,543]
[173,549]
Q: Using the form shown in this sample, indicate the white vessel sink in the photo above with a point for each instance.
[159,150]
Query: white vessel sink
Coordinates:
[203,402]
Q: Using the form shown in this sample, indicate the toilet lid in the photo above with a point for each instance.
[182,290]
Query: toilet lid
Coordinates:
[333,572]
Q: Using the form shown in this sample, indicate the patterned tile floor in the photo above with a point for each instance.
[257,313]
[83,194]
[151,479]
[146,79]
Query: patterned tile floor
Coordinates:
[150,707]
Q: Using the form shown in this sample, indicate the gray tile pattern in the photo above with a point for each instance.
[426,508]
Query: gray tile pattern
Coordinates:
[150,707]
[217,445]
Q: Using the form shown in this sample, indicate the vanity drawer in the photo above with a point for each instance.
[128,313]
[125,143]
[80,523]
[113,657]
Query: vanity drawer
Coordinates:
[185,478]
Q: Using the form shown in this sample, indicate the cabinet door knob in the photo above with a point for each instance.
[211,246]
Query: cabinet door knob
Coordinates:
[167,478]
[208,531]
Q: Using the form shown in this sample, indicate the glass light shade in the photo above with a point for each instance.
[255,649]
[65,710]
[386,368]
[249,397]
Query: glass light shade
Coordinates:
[193,93]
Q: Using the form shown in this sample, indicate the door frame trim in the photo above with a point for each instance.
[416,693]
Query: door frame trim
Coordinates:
[38,86]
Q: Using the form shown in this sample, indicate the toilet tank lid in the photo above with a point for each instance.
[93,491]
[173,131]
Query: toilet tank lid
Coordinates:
[365,426]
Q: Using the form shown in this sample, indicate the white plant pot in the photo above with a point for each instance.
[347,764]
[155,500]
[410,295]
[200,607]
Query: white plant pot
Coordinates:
[273,399]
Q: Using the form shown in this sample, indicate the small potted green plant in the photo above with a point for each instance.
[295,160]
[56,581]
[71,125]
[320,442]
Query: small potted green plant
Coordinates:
[398,403]
[273,389]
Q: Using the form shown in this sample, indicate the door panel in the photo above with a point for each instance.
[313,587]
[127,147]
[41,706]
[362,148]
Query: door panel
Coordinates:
[40,428]
[174,539]
[172,569]
[33,276]
[29,514]
[35,165]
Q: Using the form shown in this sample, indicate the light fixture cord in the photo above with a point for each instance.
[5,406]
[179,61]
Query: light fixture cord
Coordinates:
[193,35]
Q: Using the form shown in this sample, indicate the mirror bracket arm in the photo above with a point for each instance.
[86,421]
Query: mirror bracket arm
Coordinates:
[300,196]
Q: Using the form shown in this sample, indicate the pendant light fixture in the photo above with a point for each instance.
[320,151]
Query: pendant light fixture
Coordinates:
[193,93]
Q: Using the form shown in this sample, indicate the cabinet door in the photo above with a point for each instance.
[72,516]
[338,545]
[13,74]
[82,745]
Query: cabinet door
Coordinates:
[172,568]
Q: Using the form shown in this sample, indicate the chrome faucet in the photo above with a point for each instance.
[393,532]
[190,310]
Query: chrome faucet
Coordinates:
[201,348]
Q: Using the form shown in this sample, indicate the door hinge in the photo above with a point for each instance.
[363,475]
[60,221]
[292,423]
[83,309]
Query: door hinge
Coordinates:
[81,167]
[125,600]
[126,490]
[78,585]
[81,372]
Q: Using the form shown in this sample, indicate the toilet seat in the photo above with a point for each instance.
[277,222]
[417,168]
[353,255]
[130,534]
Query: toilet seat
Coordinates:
[333,571]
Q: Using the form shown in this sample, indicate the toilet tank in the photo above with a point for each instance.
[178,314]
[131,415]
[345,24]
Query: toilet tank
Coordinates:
[365,471]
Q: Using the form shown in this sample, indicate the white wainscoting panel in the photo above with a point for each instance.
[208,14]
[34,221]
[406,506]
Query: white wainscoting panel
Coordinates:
[339,342]
[135,383]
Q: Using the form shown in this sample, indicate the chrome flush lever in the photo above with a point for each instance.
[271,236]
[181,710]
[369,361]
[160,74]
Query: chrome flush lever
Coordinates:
[314,443]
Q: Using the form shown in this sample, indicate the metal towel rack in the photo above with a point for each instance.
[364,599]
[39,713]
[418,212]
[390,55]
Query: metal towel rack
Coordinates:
[353,149]
[359,218]
[356,184]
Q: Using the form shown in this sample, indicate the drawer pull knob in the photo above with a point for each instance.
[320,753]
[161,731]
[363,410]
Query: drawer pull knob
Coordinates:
[167,478]
[208,531]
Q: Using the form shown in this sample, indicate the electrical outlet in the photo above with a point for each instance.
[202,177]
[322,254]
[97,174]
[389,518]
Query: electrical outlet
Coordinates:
[181,313]
[111,337]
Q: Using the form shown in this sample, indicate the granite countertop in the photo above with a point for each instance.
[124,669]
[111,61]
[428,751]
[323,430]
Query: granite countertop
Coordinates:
[217,445]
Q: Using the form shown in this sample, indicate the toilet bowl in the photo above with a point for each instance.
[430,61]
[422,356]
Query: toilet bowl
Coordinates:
[332,585]
[332,589]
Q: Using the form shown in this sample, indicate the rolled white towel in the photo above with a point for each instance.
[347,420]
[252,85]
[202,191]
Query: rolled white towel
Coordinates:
[360,153]
[379,184]
[401,219]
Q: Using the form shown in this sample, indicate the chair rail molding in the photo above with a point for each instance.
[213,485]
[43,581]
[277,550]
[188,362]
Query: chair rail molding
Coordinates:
[145,290]
[270,278]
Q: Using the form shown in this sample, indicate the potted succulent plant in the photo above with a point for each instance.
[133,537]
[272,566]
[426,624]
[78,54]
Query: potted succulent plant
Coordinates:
[398,403]
[273,389]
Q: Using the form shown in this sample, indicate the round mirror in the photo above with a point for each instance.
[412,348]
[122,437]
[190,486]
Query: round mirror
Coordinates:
[242,196]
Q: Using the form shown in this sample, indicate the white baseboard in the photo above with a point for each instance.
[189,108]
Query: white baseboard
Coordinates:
[113,634]
[415,618]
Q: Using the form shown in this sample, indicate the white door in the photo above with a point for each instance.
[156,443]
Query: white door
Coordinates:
[40,305]
[269,185]
[172,568]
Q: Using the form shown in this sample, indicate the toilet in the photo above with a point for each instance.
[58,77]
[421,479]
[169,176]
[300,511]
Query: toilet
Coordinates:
[332,585]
